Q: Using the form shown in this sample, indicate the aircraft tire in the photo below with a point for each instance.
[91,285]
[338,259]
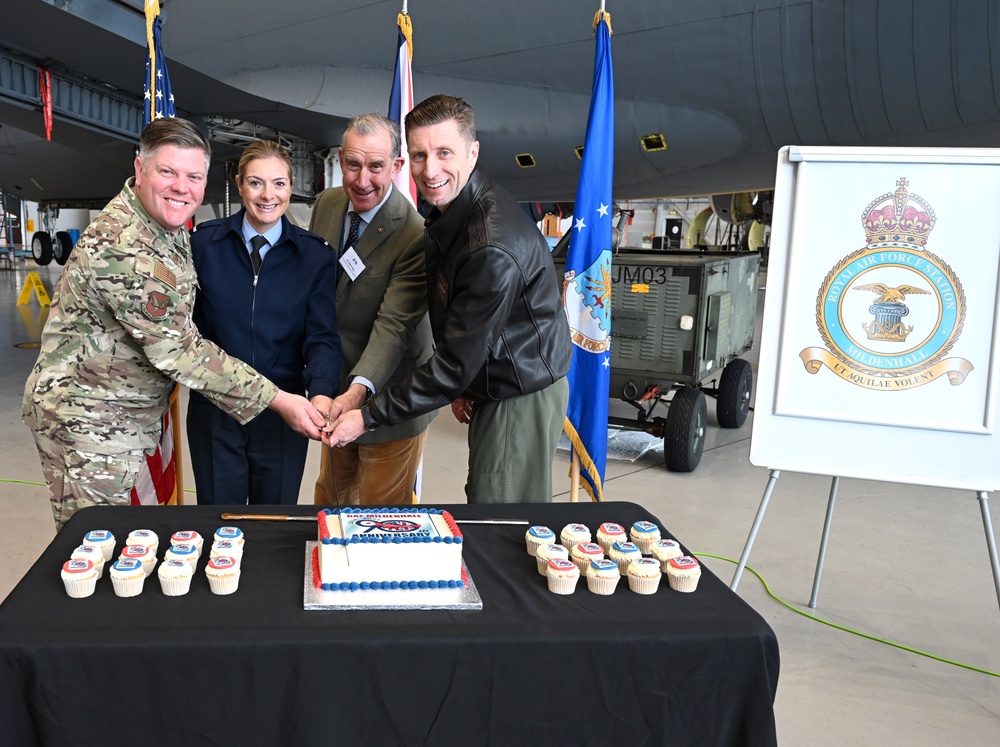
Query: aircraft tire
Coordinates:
[733,403]
[62,247]
[41,247]
[684,431]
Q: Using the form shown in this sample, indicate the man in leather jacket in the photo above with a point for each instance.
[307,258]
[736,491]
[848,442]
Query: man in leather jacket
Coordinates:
[502,341]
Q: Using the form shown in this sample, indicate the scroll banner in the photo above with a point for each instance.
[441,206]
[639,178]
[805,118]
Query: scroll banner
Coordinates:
[956,369]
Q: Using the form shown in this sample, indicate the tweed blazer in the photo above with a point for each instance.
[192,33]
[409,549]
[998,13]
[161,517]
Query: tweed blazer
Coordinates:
[382,313]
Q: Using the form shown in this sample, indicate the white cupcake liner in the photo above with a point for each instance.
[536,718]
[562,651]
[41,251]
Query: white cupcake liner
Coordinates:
[602,585]
[562,584]
[175,587]
[78,588]
[128,587]
[224,584]
[686,583]
[644,584]
[533,543]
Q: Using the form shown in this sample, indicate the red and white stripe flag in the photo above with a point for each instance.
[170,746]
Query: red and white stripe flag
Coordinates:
[157,480]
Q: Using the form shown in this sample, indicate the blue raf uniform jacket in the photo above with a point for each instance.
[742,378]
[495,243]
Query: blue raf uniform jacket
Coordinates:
[285,325]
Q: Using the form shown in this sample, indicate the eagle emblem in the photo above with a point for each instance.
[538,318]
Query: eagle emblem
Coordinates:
[891,295]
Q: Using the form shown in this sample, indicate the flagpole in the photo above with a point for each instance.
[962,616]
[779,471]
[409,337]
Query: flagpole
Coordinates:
[574,478]
[587,281]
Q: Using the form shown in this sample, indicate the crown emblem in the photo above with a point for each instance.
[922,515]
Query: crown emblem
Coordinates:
[898,219]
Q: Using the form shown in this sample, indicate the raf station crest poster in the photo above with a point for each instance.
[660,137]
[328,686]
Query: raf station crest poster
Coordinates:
[879,339]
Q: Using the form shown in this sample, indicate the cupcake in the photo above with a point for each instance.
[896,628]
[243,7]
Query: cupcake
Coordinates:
[223,575]
[602,576]
[233,534]
[145,537]
[187,553]
[644,534]
[141,553]
[624,553]
[227,548]
[644,575]
[584,552]
[536,536]
[574,534]
[663,550]
[683,573]
[562,575]
[545,553]
[175,576]
[94,554]
[188,537]
[608,534]
[127,576]
[103,539]
[79,577]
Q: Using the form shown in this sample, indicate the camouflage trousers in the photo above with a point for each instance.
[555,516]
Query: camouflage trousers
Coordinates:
[77,479]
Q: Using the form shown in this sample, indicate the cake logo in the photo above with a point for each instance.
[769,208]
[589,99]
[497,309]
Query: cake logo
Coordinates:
[900,339]
[393,526]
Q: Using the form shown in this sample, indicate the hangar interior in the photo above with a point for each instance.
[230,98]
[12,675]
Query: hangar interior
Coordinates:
[906,565]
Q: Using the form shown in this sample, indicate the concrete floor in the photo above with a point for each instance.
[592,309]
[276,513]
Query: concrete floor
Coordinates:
[905,565]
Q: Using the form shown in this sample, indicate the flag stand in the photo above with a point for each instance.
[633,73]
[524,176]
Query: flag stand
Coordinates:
[574,478]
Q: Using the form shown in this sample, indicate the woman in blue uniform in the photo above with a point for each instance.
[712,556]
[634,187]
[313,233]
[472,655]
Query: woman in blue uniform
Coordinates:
[267,295]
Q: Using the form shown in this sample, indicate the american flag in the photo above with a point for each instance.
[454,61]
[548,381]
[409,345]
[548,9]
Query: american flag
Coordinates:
[159,99]
[401,99]
[587,297]
[157,481]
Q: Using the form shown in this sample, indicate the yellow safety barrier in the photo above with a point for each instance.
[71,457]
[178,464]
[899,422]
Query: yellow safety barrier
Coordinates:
[33,283]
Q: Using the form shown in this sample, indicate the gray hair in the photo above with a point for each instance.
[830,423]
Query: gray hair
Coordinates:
[373,124]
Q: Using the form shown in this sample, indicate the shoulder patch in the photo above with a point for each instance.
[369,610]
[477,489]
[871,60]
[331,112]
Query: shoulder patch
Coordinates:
[156,306]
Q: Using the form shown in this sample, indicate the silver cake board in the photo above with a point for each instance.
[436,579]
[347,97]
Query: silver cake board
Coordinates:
[466,598]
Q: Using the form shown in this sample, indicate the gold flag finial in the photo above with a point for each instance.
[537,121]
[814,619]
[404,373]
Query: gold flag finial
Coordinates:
[403,19]
[602,15]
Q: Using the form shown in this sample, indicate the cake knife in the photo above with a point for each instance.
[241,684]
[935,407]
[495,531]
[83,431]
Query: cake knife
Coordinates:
[287,517]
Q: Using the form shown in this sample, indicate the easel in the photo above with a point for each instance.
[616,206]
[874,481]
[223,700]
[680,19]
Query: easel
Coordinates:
[834,484]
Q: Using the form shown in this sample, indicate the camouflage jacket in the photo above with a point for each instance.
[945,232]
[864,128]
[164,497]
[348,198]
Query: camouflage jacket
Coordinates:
[120,333]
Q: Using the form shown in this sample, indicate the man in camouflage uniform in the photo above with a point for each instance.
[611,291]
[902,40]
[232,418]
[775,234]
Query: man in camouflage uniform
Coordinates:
[119,335]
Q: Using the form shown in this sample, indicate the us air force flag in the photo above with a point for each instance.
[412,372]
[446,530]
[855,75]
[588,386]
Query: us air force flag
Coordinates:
[159,99]
[587,283]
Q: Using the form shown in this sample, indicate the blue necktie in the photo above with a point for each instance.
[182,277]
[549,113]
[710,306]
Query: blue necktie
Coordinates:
[354,233]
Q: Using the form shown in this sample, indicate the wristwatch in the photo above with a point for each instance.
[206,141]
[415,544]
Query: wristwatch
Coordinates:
[371,424]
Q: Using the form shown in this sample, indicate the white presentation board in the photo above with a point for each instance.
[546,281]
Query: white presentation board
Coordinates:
[878,352]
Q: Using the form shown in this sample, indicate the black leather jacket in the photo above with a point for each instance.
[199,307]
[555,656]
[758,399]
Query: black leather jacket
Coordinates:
[494,305]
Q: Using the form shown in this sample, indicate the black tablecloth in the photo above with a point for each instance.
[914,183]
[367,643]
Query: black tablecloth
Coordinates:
[256,668]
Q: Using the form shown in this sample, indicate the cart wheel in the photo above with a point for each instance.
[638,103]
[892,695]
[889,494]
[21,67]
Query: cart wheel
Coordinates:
[62,247]
[41,247]
[733,403]
[684,431]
